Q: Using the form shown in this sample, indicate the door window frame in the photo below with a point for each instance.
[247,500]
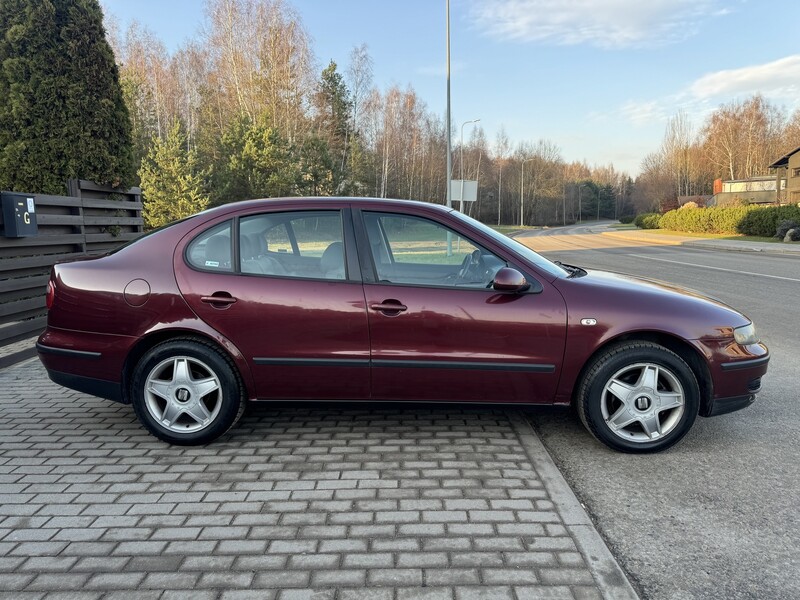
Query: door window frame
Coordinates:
[367,259]
[353,270]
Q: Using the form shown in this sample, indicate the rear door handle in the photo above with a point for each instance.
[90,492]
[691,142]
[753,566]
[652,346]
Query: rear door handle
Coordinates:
[219,299]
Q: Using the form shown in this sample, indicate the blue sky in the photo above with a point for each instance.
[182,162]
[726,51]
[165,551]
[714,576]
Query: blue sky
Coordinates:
[597,77]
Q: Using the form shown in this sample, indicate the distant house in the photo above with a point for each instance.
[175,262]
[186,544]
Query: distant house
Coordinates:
[754,190]
[763,183]
[787,169]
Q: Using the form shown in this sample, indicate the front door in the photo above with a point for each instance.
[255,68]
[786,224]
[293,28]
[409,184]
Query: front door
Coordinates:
[440,333]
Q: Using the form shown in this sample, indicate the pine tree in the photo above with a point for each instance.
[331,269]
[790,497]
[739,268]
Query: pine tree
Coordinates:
[62,113]
[257,162]
[334,110]
[172,185]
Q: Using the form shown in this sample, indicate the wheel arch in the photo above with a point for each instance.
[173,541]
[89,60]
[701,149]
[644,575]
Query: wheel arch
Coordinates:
[679,346]
[155,338]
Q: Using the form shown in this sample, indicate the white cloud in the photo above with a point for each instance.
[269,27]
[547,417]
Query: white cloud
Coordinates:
[777,78]
[778,81]
[644,113]
[604,23]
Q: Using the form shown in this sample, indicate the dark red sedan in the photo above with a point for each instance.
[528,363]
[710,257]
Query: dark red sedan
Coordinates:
[385,300]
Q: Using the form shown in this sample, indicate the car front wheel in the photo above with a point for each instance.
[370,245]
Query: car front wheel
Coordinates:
[186,392]
[638,397]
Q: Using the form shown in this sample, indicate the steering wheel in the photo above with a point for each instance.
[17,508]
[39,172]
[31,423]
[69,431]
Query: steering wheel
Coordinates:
[471,265]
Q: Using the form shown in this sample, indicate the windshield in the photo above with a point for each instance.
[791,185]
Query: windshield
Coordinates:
[515,246]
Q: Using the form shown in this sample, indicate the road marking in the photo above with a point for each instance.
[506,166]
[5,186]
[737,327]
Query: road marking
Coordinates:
[687,264]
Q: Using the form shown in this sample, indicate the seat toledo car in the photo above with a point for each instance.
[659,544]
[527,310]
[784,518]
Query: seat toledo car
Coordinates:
[385,300]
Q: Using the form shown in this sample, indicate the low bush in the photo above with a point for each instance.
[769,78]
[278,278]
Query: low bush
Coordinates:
[784,227]
[706,220]
[647,221]
[689,205]
[764,221]
[626,219]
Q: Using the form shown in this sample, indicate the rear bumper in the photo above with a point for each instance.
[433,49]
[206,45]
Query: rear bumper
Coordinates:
[87,363]
[88,385]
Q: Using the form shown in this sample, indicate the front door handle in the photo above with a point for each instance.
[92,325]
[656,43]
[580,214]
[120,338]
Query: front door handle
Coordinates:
[393,307]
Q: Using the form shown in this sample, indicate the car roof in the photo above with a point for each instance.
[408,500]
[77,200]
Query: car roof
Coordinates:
[317,200]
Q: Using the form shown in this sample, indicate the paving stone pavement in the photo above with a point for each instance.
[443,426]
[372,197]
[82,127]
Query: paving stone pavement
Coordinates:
[295,503]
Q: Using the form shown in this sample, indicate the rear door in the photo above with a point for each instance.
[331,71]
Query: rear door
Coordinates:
[438,330]
[285,288]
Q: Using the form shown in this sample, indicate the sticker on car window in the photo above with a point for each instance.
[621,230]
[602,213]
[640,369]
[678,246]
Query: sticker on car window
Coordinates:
[212,263]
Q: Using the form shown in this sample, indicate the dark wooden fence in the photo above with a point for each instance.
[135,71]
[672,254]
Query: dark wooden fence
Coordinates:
[91,220]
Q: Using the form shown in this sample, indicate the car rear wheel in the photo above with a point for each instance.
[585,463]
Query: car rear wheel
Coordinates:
[186,392]
[638,397]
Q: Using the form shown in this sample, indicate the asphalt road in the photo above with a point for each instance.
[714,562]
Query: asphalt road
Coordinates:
[717,516]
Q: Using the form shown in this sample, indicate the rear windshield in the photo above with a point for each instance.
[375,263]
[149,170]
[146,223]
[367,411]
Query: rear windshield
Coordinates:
[148,234]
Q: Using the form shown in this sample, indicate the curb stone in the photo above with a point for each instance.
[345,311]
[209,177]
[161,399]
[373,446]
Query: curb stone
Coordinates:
[606,571]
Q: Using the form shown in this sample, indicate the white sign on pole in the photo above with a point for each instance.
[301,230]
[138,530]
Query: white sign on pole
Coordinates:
[470,190]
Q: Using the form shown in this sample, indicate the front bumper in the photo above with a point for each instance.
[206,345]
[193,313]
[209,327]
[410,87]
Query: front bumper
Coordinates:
[723,406]
[736,373]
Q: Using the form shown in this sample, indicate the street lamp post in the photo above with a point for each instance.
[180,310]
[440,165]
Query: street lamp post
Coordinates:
[448,191]
[522,194]
[580,209]
[499,193]
[449,158]
[461,160]
[598,203]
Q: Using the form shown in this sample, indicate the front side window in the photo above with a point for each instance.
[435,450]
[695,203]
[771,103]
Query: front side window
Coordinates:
[418,251]
[306,244]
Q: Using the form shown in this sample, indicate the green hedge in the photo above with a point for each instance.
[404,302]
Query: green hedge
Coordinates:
[647,221]
[706,220]
[746,220]
[764,221]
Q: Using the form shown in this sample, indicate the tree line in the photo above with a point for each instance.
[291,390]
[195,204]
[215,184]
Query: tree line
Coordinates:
[244,110]
[738,140]
[246,105]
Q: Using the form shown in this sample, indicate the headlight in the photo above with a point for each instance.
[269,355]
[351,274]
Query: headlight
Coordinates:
[745,335]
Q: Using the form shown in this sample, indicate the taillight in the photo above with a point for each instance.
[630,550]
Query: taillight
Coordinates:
[51,295]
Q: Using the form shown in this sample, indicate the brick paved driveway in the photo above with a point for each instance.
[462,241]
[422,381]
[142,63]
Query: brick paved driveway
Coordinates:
[295,503]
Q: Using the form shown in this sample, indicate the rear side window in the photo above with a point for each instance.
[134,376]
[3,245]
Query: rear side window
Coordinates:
[212,249]
[303,244]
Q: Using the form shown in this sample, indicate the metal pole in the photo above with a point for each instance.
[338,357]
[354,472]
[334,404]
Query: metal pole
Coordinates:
[598,203]
[522,194]
[499,193]
[580,210]
[449,150]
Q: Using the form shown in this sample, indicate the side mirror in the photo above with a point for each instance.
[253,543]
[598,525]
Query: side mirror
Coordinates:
[510,280]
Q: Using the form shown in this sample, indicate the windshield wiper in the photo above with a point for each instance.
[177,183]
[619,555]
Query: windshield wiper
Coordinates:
[573,270]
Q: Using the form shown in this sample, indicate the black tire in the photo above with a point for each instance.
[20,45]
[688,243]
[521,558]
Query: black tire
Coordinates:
[661,414]
[187,392]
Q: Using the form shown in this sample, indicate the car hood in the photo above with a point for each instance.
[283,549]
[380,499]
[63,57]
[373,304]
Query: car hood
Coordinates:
[648,304]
